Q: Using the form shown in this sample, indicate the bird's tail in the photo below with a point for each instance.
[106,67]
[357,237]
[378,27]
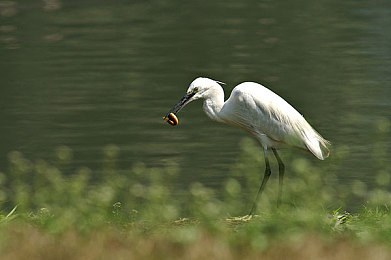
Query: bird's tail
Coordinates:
[316,144]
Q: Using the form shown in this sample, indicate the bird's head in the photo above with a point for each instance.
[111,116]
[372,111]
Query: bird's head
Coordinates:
[199,88]
[202,87]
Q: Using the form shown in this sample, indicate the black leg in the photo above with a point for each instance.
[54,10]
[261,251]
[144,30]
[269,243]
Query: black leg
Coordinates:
[281,171]
[264,181]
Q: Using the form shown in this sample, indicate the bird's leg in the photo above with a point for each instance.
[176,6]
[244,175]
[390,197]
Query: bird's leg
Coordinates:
[281,171]
[265,179]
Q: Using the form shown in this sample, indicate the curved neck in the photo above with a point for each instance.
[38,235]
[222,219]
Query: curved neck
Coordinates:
[213,103]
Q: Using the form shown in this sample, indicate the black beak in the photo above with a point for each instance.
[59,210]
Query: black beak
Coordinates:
[184,100]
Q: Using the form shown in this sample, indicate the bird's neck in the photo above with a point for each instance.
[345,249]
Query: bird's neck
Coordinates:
[213,103]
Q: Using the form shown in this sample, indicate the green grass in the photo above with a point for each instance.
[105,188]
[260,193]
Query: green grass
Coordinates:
[53,213]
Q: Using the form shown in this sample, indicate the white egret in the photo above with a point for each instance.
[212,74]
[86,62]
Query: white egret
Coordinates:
[262,113]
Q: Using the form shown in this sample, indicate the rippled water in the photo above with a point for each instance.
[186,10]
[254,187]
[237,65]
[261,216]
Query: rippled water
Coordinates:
[86,74]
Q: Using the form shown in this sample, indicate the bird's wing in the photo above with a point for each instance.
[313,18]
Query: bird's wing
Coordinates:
[261,111]
[257,109]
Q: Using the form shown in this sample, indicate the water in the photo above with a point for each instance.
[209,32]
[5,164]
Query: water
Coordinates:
[86,74]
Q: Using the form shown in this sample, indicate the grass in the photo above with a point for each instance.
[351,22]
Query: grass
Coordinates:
[49,213]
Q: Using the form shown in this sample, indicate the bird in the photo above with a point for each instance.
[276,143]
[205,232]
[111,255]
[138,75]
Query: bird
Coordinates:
[271,120]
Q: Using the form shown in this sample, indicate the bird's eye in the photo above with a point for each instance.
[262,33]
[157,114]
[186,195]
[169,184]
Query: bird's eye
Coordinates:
[195,90]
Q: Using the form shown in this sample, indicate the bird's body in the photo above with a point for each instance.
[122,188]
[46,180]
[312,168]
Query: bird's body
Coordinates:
[261,112]
[266,116]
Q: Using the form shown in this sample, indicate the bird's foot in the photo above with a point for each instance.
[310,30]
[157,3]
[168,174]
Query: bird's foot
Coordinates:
[245,218]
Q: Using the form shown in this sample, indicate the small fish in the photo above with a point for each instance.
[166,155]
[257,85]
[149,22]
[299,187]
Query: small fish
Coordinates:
[171,119]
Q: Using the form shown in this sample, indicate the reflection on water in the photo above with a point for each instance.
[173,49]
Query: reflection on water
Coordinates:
[86,74]
[7,38]
[52,5]
[8,8]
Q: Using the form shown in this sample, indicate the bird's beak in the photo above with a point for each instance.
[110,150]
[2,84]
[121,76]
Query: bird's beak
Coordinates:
[184,100]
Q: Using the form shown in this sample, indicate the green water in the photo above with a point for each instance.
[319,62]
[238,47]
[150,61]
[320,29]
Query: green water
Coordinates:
[87,74]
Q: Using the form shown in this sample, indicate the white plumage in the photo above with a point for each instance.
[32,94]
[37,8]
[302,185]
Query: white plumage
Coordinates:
[261,112]
[271,120]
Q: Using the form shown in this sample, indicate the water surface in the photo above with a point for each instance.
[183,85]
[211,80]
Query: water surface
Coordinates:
[86,74]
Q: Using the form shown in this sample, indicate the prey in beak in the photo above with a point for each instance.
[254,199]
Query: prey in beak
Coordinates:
[171,115]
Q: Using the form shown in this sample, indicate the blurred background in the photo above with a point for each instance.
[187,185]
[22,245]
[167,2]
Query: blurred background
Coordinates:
[87,74]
